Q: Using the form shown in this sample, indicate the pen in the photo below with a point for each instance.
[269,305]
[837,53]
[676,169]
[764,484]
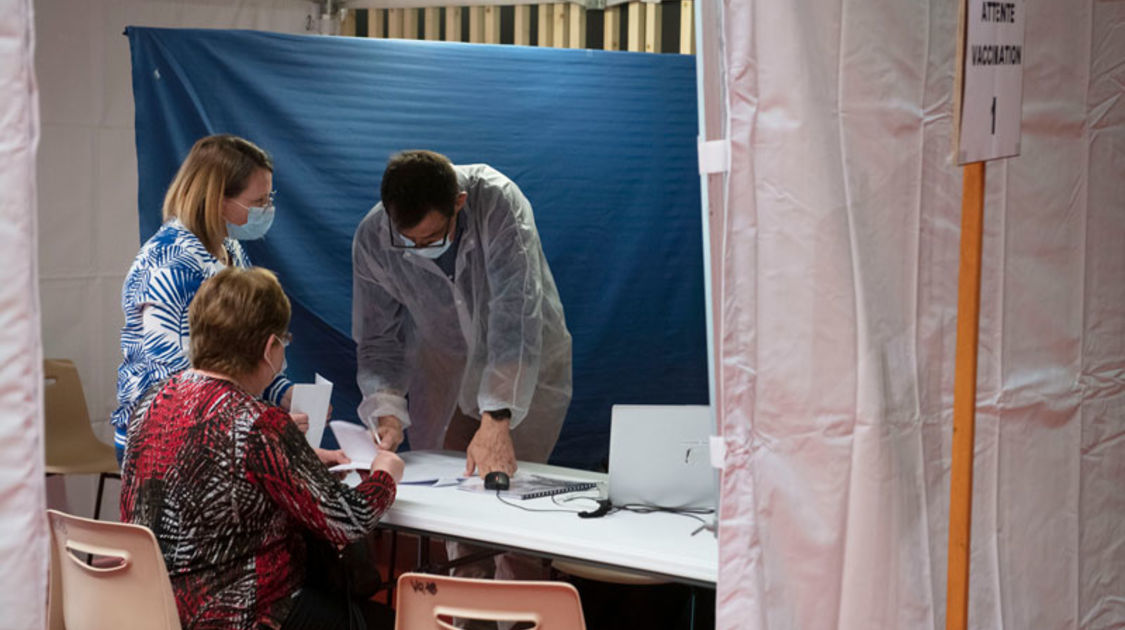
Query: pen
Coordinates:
[378,440]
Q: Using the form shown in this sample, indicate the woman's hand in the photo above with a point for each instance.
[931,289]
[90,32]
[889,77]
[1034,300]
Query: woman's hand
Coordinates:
[333,458]
[287,404]
[301,420]
[389,463]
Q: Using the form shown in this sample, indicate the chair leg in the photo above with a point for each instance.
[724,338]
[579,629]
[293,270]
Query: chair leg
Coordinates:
[98,501]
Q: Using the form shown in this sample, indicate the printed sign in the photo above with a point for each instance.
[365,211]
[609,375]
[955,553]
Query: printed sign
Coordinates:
[990,83]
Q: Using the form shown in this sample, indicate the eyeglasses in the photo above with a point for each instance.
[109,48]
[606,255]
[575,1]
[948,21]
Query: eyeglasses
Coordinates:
[285,338]
[269,202]
[398,241]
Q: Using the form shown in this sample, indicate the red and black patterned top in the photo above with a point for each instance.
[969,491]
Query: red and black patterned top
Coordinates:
[229,485]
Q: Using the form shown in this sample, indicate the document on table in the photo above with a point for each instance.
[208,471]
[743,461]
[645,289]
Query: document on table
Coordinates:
[426,469]
[313,399]
[422,468]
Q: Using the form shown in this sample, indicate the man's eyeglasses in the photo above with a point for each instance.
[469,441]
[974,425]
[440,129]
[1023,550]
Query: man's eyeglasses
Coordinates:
[398,241]
[285,338]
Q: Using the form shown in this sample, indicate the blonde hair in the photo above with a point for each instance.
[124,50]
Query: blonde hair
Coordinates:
[232,317]
[218,166]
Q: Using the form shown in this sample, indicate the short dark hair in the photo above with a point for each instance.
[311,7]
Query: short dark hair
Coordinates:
[232,317]
[417,183]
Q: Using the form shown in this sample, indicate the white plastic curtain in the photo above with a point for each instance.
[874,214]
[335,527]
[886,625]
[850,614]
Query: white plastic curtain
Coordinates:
[23,544]
[835,249]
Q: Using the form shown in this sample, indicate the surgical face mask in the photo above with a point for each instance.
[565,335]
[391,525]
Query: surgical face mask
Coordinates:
[258,222]
[284,360]
[433,253]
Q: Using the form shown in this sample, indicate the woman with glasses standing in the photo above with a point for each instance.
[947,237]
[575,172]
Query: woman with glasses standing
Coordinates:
[222,193]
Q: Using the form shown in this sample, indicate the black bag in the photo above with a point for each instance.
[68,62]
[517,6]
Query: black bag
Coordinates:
[353,569]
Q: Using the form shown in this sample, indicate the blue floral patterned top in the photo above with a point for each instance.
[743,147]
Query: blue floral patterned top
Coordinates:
[155,298]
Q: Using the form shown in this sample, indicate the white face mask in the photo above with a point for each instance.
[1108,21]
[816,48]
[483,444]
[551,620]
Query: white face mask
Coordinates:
[284,365]
[284,362]
[433,253]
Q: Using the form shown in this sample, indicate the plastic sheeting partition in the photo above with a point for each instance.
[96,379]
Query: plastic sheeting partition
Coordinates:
[836,301]
[602,143]
[23,547]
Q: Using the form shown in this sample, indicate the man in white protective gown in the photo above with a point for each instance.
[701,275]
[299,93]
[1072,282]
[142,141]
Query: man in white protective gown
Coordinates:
[460,330]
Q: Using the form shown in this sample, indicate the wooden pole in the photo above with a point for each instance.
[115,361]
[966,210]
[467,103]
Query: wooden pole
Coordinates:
[576,29]
[453,24]
[522,32]
[687,27]
[376,22]
[546,24]
[410,23]
[653,27]
[476,24]
[559,23]
[611,40]
[492,24]
[432,27]
[347,27]
[394,23]
[964,398]
[636,27]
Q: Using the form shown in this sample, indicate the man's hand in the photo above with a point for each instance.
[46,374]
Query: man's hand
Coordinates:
[491,448]
[390,432]
[301,420]
[390,463]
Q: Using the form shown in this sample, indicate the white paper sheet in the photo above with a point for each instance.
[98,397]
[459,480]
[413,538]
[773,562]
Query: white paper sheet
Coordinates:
[425,468]
[356,442]
[313,399]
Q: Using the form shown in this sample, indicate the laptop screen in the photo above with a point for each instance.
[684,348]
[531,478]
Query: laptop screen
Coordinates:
[659,455]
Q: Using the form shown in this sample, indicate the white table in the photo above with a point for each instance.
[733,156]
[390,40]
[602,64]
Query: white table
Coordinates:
[655,544]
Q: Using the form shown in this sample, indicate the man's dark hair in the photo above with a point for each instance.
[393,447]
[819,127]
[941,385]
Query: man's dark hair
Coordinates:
[417,183]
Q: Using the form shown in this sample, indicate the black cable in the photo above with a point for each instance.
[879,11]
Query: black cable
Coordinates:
[641,508]
[605,508]
[555,499]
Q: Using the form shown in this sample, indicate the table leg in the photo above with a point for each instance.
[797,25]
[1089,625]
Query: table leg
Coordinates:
[391,579]
[423,551]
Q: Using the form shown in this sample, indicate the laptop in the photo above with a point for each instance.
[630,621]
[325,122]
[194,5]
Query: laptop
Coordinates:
[659,455]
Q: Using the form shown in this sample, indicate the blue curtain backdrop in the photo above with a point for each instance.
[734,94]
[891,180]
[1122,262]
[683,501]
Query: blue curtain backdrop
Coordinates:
[602,143]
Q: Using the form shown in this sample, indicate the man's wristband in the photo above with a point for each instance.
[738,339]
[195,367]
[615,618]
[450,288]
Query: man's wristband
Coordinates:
[500,414]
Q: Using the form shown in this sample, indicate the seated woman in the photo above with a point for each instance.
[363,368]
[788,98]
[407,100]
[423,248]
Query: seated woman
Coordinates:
[229,485]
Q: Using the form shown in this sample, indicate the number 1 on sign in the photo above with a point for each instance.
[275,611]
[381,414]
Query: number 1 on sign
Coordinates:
[994,115]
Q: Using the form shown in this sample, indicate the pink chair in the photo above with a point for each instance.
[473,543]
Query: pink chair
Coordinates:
[127,587]
[430,602]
